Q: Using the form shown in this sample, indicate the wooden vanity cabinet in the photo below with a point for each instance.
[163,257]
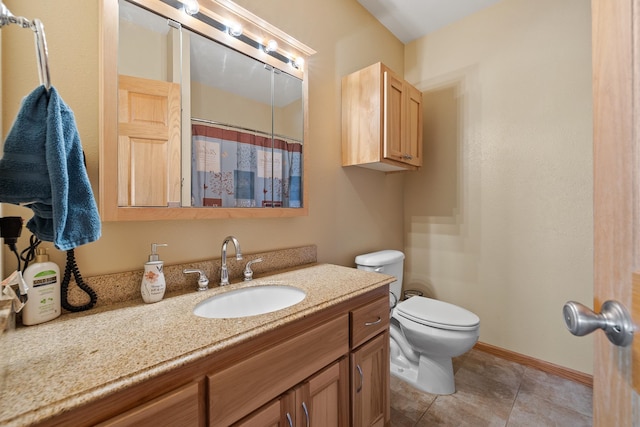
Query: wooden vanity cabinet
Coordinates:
[370,370]
[308,363]
[381,120]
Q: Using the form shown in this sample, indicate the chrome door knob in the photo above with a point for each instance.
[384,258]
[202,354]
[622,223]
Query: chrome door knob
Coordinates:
[613,319]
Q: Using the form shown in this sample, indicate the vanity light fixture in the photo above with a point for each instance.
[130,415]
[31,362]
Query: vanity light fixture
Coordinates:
[297,62]
[234,29]
[191,7]
[271,46]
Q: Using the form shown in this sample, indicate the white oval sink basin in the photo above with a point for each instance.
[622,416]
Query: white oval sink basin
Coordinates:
[249,301]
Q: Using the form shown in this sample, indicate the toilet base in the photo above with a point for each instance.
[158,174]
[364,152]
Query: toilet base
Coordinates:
[433,376]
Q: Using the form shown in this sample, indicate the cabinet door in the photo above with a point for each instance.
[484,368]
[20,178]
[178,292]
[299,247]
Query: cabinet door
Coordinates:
[182,407]
[413,126]
[394,112]
[279,413]
[370,405]
[323,400]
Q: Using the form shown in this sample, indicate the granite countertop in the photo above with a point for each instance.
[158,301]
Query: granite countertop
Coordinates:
[75,359]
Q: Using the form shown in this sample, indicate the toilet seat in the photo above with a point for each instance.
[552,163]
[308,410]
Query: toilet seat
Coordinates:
[437,314]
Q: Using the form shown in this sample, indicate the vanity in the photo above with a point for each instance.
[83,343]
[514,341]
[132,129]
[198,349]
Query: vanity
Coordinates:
[324,361]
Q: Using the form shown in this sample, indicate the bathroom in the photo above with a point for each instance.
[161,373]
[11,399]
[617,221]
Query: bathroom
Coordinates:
[499,219]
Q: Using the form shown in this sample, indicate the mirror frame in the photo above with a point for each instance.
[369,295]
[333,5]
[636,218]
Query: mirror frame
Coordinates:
[221,11]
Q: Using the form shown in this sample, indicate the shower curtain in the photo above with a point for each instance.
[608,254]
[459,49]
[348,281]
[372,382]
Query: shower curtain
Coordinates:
[234,168]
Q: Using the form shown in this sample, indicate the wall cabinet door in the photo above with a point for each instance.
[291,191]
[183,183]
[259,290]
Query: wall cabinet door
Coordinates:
[413,126]
[370,405]
[394,114]
[403,121]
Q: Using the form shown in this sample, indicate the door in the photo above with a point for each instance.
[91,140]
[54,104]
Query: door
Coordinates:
[616,116]
[148,142]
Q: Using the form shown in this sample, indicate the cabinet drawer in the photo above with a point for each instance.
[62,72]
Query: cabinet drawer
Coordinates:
[369,320]
[181,407]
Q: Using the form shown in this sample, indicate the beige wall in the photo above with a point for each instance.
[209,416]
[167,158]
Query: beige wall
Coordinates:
[350,210]
[499,220]
[508,236]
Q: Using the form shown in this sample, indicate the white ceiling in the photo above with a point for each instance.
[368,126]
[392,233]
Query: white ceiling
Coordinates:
[411,19]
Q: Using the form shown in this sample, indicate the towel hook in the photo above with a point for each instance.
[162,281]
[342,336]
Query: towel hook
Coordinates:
[42,54]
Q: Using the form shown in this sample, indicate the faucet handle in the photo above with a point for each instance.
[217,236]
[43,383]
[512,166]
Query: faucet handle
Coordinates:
[203,281]
[248,273]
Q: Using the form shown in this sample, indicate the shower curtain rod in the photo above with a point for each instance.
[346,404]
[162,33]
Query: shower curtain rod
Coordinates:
[211,122]
[6,18]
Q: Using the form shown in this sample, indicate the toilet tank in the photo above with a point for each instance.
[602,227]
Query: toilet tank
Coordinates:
[388,262]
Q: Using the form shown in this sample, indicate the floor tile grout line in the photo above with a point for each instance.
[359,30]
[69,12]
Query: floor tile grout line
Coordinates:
[426,411]
[515,399]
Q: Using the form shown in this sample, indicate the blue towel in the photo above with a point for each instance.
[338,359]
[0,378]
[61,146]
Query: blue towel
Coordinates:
[43,168]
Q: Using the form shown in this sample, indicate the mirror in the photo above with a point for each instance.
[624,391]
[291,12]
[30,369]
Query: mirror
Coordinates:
[208,125]
[246,126]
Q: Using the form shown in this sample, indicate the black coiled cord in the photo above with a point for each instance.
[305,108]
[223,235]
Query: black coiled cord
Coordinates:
[29,254]
[72,267]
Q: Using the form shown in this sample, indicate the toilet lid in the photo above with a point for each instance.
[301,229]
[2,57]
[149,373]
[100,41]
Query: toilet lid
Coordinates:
[438,314]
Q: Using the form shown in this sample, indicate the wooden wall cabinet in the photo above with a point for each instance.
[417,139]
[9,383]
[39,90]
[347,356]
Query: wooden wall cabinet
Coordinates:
[381,120]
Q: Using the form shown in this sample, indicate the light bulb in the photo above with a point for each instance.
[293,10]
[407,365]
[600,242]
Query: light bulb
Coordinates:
[191,7]
[271,46]
[235,29]
[298,62]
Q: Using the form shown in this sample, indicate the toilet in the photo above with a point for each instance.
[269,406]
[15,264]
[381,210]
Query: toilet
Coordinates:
[425,333]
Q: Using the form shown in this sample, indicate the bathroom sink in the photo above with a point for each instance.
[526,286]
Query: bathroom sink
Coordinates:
[249,301]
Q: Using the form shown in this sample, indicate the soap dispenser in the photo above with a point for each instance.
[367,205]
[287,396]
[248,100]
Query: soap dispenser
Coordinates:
[153,283]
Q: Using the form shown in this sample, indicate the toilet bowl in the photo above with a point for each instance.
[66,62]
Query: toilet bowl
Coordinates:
[425,333]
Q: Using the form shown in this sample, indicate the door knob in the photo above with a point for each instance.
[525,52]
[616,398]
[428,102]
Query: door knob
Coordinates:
[613,319]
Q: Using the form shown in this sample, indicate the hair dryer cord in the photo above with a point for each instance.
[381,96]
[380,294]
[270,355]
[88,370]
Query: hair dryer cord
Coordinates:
[72,267]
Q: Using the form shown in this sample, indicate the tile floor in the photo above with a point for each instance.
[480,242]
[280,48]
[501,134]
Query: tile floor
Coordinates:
[491,391]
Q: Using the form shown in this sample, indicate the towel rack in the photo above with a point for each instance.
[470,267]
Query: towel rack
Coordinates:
[6,18]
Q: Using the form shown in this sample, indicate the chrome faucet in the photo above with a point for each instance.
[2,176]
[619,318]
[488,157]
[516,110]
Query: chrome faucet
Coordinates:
[224,273]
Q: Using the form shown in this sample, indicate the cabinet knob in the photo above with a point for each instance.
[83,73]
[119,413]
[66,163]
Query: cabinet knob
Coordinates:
[407,156]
